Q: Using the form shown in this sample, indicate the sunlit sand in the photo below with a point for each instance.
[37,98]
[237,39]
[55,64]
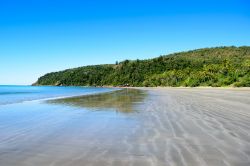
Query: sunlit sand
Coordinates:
[146,127]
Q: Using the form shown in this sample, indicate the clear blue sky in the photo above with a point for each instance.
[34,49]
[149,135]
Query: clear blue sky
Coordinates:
[40,36]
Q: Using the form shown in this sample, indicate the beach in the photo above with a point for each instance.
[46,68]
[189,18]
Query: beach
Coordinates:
[130,127]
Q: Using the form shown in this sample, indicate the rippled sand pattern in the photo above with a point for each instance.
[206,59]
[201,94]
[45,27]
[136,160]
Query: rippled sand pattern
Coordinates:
[166,127]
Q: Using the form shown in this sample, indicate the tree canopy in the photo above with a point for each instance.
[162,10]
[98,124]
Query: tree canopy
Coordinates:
[219,66]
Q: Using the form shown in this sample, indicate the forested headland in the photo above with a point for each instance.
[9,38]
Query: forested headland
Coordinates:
[217,67]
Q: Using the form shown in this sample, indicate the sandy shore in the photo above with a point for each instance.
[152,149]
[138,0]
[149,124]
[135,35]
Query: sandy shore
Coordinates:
[149,127]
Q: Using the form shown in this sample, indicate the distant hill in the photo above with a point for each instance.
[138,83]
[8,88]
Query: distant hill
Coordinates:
[220,66]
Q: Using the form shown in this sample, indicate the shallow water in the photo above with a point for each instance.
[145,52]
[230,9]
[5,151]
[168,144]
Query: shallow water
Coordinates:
[120,101]
[55,132]
[172,127]
[10,94]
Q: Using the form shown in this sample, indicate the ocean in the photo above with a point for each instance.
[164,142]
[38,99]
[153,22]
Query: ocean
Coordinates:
[42,125]
[10,94]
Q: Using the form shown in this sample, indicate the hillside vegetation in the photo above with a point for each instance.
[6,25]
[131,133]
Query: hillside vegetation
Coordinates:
[220,66]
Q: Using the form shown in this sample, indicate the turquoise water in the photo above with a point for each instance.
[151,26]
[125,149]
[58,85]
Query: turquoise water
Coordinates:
[61,131]
[10,94]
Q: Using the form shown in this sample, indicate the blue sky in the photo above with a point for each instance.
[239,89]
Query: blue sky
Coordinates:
[40,36]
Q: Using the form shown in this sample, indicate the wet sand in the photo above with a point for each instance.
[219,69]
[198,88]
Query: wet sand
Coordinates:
[146,127]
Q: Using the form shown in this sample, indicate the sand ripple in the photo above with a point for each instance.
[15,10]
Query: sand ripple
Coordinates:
[167,127]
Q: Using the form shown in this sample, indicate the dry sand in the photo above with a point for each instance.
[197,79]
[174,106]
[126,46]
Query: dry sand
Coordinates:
[152,127]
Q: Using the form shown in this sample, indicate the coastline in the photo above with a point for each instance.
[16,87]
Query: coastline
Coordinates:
[200,87]
[163,126]
[51,97]
[177,87]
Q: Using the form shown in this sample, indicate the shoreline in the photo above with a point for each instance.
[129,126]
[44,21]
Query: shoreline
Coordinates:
[158,87]
[61,97]
[164,126]
[200,87]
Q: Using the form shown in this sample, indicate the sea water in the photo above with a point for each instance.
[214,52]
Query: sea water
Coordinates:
[80,130]
[10,94]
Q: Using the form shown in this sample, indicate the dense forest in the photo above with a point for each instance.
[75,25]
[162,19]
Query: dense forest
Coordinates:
[220,66]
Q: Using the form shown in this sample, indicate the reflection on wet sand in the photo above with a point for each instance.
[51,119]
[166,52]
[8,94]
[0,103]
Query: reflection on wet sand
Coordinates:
[173,127]
[123,100]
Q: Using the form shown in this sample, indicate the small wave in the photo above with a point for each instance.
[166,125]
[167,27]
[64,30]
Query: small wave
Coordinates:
[15,93]
[14,97]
